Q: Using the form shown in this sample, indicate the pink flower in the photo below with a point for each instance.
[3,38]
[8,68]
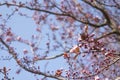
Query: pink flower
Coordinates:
[25,51]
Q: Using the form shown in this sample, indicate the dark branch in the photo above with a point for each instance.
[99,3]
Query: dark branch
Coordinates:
[110,5]
[55,13]
[101,8]
[106,35]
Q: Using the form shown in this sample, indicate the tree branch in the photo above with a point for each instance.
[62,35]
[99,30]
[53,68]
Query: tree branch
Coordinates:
[101,8]
[116,6]
[106,35]
[55,13]
[52,57]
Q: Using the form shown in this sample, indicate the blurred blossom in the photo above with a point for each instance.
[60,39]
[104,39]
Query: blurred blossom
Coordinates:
[1,31]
